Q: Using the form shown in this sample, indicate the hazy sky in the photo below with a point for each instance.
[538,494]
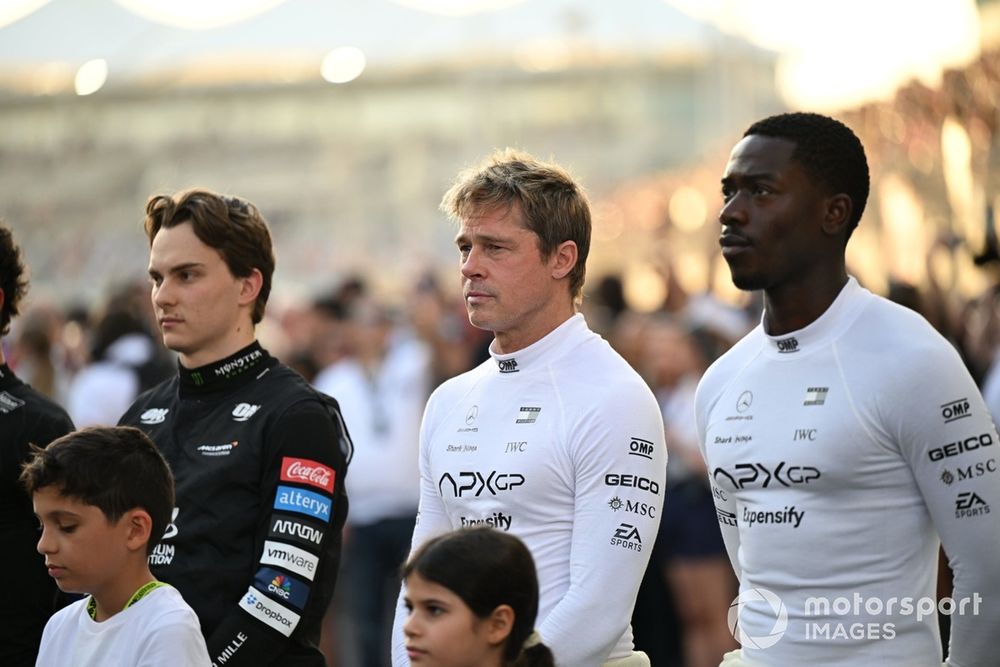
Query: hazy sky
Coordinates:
[833,53]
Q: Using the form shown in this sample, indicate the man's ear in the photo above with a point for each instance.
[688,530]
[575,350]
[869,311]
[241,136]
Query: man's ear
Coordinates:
[563,259]
[138,528]
[499,624]
[837,215]
[250,287]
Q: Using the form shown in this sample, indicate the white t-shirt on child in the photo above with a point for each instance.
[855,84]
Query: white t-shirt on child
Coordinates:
[159,629]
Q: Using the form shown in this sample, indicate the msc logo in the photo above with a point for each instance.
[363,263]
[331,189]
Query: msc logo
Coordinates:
[640,447]
[955,410]
[508,365]
[970,504]
[961,446]
[642,509]
[473,483]
[154,415]
[244,411]
[786,345]
[970,472]
[632,481]
[746,474]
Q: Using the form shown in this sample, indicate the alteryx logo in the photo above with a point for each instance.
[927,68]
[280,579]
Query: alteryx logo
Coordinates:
[304,502]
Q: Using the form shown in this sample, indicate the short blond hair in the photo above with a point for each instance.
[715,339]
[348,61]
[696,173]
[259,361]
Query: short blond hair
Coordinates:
[552,204]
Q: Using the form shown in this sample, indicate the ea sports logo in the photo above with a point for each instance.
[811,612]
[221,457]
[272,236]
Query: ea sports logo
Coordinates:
[775,608]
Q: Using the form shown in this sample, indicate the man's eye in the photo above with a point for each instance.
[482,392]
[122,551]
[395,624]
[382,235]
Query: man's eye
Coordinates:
[67,529]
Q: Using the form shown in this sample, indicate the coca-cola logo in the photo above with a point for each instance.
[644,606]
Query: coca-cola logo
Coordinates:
[307,472]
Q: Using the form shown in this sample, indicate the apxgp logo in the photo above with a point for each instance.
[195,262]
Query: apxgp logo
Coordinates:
[473,483]
[757,474]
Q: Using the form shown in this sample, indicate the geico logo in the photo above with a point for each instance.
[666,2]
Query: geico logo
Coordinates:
[961,446]
[746,474]
[633,481]
[270,613]
[977,470]
[642,509]
[494,483]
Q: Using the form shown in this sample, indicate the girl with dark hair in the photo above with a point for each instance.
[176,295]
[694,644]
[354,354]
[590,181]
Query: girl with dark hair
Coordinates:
[472,597]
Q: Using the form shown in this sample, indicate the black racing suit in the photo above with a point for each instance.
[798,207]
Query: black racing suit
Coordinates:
[26,418]
[259,459]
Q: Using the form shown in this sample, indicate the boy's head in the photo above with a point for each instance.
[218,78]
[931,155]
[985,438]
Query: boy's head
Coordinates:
[118,470]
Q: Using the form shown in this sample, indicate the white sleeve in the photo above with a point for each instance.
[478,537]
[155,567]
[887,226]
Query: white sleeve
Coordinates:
[944,430]
[725,505]
[432,520]
[610,550]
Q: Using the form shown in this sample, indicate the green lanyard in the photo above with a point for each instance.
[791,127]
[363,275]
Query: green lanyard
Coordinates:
[138,595]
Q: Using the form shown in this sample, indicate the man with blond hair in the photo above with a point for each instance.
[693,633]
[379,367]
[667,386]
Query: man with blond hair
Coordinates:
[554,438]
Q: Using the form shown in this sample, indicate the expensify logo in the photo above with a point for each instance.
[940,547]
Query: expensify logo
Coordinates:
[303,502]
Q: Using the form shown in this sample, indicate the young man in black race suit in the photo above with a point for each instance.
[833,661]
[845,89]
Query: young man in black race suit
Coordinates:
[258,455]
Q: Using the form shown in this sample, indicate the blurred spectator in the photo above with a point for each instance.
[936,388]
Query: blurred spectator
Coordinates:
[125,361]
[381,384]
[689,544]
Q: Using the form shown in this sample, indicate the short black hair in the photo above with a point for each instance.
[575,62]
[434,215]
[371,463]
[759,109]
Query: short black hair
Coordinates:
[12,279]
[115,469]
[828,150]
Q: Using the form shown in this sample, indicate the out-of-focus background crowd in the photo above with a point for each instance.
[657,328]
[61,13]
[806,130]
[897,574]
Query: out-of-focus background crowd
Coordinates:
[345,123]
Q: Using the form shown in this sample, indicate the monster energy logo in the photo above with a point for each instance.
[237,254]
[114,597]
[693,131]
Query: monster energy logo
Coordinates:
[197,378]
